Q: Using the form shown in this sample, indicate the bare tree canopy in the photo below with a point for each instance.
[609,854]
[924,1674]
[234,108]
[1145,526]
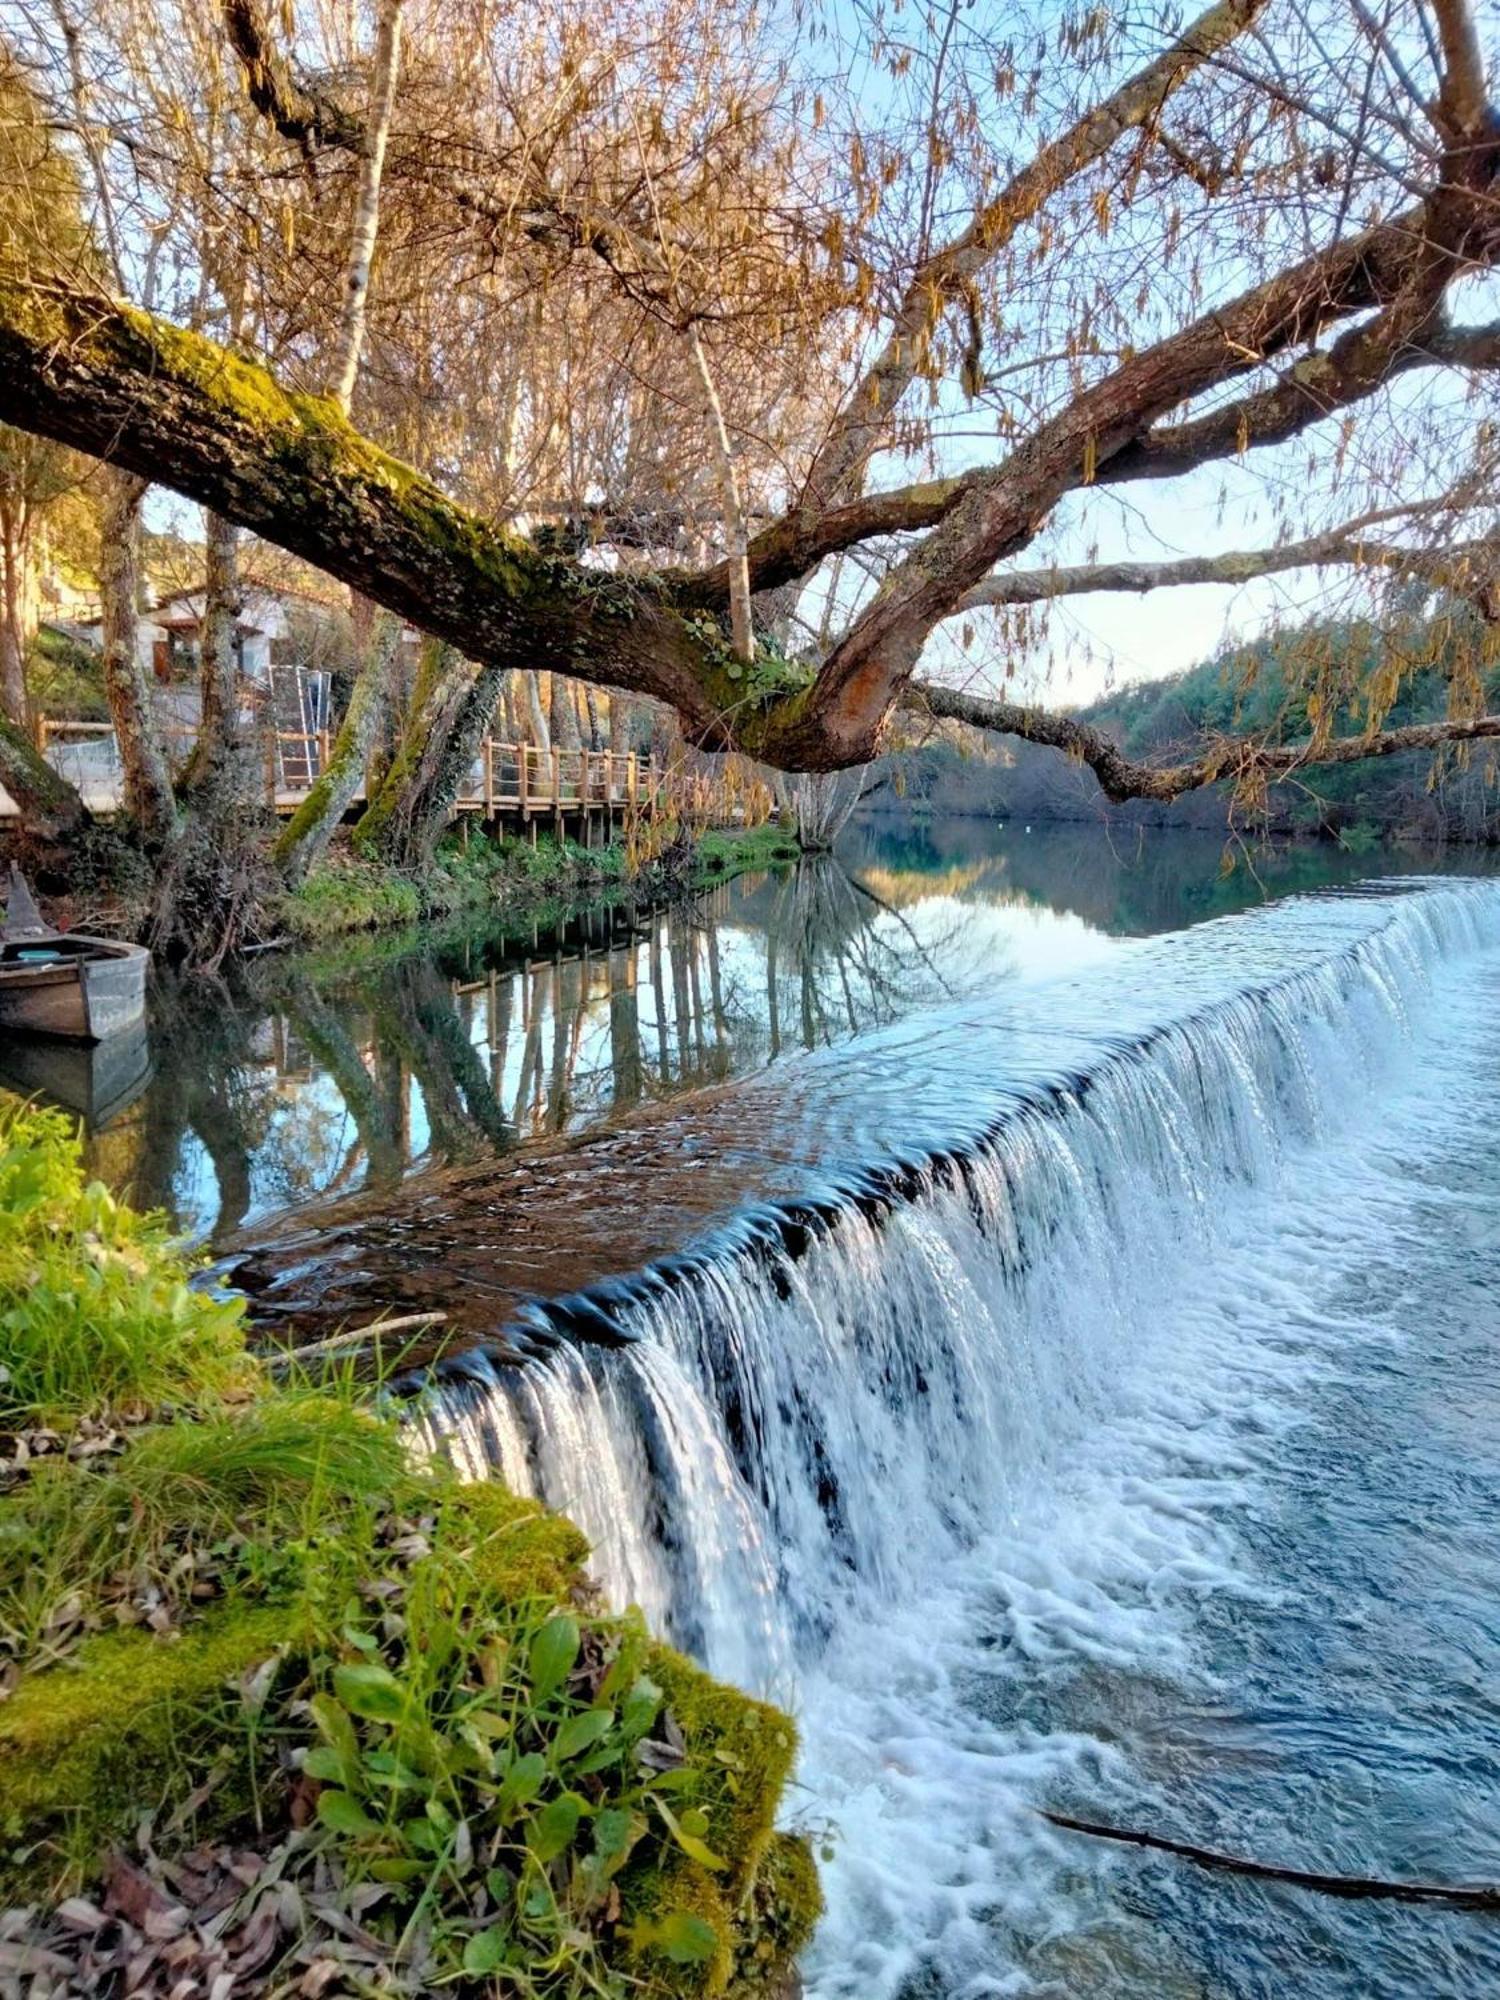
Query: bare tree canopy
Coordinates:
[847,311]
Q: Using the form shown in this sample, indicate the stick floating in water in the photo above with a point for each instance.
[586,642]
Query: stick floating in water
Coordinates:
[1472,1897]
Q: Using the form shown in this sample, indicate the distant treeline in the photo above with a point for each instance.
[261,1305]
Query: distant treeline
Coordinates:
[1421,664]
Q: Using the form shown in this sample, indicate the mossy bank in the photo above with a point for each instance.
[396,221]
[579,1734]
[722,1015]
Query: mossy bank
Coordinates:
[279,1694]
[521,881]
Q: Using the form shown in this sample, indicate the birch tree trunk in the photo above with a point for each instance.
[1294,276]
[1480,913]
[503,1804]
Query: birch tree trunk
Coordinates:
[147,781]
[536,713]
[367,208]
[736,534]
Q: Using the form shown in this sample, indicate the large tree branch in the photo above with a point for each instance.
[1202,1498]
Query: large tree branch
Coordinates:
[171,405]
[1400,267]
[1228,342]
[1238,759]
[789,548]
[834,476]
[1352,368]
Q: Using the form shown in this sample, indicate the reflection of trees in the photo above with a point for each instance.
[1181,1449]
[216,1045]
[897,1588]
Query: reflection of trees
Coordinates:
[206,1086]
[1123,880]
[305,1084]
[376,1119]
[839,959]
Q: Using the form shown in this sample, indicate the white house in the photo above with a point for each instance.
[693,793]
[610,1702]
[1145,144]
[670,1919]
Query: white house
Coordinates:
[169,636]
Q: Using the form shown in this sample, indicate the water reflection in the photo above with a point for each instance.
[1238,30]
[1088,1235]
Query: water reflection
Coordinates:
[324,1075]
[1128,882]
[317,1076]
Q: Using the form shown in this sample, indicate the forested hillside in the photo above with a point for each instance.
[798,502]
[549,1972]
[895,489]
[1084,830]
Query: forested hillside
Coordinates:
[1439,662]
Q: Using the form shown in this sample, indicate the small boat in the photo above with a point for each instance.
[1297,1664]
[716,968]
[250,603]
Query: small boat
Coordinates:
[59,983]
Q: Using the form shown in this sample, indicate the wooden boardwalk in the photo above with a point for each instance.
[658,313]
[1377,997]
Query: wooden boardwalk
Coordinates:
[514,781]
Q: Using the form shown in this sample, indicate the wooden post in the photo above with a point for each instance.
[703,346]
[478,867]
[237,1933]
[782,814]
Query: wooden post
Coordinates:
[489,777]
[271,749]
[525,762]
[325,749]
[631,778]
[557,789]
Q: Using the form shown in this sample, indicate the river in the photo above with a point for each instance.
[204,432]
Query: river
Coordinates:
[1031,1307]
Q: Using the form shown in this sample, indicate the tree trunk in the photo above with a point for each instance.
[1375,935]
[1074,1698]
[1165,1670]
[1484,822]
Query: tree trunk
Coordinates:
[541,733]
[475,715]
[621,723]
[367,207]
[408,834]
[386,826]
[147,781]
[13,554]
[304,839]
[221,742]
[564,714]
[211,879]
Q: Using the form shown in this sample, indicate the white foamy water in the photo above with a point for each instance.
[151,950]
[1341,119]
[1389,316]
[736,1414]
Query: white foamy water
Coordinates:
[988,1483]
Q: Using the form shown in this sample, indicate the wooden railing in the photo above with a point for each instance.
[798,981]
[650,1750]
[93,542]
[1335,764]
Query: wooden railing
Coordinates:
[505,778]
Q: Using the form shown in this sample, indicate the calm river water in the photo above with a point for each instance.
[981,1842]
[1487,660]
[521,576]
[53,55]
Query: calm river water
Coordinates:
[1081,1389]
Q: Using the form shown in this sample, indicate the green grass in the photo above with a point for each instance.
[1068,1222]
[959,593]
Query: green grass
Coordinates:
[723,852]
[95,1309]
[511,878]
[516,881]
[349,896]
[66,678]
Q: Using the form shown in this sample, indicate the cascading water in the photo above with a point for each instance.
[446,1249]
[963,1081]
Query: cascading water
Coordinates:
[976,1411]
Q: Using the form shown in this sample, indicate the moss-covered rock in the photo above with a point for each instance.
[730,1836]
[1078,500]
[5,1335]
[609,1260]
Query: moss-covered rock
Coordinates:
[129,1722]
[775,1920]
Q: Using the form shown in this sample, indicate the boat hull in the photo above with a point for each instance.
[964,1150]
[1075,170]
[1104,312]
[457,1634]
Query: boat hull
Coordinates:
[88,999]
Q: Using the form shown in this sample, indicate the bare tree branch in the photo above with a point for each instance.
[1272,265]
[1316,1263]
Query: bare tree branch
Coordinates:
[1232,758]
[835,472]
[1469,569]
[1462,96]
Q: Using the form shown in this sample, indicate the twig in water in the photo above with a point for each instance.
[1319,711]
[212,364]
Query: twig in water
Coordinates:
[1471,1897]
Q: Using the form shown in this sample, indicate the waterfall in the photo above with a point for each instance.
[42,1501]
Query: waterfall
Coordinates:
[825,1401]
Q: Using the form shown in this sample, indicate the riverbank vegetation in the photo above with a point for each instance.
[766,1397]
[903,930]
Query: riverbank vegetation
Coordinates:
[719,395]
[517,881]
[286,1703]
